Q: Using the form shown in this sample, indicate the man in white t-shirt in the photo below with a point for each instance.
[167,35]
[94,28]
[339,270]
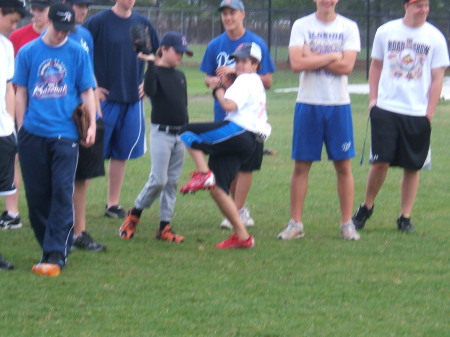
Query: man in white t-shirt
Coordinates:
[409,58]
[323,48]
[11,11]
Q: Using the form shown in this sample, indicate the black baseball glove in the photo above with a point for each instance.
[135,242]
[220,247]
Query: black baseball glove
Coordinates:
[140,39]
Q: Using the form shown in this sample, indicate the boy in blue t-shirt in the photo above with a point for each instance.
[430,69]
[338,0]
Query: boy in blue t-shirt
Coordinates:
[53,75]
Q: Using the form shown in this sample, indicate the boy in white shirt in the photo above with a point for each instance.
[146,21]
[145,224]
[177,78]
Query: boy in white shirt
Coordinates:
[229,143]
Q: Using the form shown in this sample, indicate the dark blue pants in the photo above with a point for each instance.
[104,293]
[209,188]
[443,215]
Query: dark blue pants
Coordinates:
[48,169]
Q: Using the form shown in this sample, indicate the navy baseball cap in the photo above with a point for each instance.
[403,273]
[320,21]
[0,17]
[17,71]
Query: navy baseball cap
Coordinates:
[19,5]
[62,17]
[234,4]
[89,2]
[41,3]
[177,41]
[248,49]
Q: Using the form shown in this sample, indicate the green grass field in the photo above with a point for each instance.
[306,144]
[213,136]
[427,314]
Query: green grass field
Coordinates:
[386,284]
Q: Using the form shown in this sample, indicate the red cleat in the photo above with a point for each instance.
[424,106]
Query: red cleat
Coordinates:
[234,242]
[199,181]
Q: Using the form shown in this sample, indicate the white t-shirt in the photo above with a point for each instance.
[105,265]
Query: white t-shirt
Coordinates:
[321,87]
[249,94]
[6,74]
[408,55]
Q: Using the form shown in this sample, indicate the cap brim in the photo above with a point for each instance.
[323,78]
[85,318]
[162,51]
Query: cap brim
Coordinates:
[186,51]
[62,27]
[40,5]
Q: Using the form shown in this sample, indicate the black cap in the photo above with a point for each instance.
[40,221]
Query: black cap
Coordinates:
[177,41]
[19,5]
[41,3]
[62,17]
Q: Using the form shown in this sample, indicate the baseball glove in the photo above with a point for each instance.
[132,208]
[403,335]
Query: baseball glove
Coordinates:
[228,80]
[225,82]
[140,39]
[81,118]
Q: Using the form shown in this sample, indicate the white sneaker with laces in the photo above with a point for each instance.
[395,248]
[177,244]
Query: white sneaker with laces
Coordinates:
[245,218]
[293,230]
[348,231]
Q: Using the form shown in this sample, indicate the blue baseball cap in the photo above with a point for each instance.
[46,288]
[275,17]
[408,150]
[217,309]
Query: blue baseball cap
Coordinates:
[234,4]
[177,41]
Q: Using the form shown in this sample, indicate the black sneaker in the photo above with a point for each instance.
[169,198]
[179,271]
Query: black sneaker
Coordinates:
[116,212]
[405,225]
[56,258]
[361,216]
[5,265]
[8,222]
[86,242]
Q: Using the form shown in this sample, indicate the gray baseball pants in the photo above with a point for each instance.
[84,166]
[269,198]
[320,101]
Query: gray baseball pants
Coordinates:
[167,157]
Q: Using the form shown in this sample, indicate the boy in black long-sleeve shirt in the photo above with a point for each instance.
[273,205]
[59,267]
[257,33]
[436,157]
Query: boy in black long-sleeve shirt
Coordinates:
[166,86]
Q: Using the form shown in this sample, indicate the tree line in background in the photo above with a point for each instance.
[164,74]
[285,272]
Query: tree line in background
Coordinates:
[376,6]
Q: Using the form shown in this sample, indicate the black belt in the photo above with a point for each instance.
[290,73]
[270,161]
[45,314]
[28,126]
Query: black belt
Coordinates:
[169,129]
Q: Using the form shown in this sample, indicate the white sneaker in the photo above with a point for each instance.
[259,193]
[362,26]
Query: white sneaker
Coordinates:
[226,224]
[348,231]
[245,218]
[293,230]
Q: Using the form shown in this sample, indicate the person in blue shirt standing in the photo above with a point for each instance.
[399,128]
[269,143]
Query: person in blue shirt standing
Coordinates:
[120,76]
[53,75]
[216,64]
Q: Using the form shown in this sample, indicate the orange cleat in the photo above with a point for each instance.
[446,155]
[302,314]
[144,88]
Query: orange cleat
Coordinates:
[47,269]
[128,227]
[168,234]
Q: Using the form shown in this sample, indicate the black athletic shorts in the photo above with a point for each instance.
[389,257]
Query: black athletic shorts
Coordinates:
[8,150]
[254,161]
[399,140]
[91,162]
[228,148]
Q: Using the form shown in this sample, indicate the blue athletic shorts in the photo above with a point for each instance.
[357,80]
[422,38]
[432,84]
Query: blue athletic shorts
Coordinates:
[124,130]
[318,124]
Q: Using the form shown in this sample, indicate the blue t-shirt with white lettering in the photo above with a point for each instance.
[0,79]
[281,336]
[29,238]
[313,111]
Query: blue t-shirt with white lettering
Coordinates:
[54,77]
[218,53]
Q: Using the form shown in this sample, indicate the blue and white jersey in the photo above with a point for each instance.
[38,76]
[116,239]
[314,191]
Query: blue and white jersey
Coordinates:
[218,53]
[54,77]
[84,37]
